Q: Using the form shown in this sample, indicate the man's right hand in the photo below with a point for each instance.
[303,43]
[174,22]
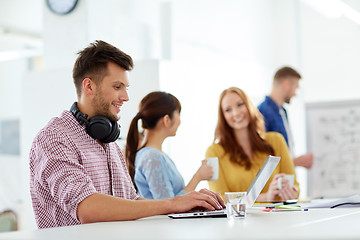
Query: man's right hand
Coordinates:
[203,198]
[305,160]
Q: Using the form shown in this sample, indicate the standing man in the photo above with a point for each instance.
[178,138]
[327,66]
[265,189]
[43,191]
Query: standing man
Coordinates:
[286,82]
[77,172]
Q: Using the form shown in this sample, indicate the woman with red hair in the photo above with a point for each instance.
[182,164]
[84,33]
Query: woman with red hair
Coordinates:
[242,146]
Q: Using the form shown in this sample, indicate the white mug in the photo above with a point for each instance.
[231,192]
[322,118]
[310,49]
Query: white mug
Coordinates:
[214,162]
[288,177]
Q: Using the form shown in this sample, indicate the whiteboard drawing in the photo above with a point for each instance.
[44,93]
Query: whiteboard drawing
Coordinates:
[333,134]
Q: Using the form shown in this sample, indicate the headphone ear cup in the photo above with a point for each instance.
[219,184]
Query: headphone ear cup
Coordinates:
[80,117]
[99,127]
[114,134]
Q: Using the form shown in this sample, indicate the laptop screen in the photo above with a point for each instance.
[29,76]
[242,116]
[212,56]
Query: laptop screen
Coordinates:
[261,179]
[253,192]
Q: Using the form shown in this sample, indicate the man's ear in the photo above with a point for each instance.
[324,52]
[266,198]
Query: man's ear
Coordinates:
[88,86]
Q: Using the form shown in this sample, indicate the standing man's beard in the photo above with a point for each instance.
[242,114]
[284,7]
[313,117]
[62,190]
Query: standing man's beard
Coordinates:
[287,99]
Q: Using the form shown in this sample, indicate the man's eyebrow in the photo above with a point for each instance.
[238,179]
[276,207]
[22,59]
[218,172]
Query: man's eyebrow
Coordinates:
[122,83]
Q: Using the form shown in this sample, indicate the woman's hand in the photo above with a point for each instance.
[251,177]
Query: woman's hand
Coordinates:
[273,190]
[205,172]
[286,193]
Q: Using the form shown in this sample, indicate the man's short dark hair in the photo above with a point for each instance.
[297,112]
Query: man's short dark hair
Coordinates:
[285,72]
[92,62]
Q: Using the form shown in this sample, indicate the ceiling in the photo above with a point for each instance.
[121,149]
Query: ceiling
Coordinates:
[21,29]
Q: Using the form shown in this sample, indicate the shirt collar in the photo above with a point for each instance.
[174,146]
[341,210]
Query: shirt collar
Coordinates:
[71,118]
[75,125]
[272,103]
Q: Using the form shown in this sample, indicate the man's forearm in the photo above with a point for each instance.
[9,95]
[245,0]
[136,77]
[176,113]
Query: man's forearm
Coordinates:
[102,208]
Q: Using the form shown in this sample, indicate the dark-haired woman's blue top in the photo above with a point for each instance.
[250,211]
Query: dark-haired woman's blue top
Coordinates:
[156,175]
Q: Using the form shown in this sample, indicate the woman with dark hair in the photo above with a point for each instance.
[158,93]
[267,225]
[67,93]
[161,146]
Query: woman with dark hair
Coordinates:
[152,171]
[242,146]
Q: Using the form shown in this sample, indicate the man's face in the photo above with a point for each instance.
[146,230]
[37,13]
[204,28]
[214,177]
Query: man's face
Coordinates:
[293,84]
[111,93]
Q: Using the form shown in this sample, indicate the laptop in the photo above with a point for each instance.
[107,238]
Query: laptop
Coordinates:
[253,192]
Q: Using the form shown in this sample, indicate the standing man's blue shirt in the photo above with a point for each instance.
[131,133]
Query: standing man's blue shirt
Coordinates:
[272,117]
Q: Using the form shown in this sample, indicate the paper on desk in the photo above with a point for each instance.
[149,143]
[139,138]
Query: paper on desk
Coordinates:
[331,202]
[266,205]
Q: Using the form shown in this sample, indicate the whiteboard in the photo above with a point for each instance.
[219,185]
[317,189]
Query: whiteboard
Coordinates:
[333,135]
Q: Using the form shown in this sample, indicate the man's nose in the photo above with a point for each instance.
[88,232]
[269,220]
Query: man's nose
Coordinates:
[125,96]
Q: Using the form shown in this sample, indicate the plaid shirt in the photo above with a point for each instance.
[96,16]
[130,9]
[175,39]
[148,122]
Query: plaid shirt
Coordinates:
[67,165]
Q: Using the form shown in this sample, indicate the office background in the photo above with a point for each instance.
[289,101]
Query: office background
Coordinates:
[193,49]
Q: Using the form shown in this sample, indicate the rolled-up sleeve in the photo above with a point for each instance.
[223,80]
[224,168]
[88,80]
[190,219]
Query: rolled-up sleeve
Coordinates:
[60,171]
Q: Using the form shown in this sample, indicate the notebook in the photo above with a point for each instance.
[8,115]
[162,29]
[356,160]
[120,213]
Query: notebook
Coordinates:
[253,192]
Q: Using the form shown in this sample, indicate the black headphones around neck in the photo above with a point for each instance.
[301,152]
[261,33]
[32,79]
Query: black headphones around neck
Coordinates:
[98,127]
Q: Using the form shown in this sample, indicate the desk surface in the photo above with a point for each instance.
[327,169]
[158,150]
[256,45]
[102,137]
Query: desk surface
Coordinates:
[314,224]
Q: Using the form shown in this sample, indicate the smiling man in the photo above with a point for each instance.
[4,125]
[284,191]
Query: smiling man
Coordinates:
[77,172]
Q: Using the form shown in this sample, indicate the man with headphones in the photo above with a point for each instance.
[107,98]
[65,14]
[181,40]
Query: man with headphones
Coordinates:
[78,173]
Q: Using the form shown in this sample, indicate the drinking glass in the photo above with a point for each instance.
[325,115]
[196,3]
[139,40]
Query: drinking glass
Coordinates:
[235,204]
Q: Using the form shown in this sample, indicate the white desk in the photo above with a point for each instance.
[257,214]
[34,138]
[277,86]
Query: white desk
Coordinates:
[341,223]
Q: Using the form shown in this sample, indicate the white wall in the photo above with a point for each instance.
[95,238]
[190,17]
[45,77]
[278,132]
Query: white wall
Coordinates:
[11,170]
[143,79]
[45,95]
[64,36]
[10,103]
[330,52]
[16,15]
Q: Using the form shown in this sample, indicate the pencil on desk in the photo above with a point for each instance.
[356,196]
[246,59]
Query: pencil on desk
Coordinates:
[287,210]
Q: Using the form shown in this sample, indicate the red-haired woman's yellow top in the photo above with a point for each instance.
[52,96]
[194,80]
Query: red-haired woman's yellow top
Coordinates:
[235,178]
